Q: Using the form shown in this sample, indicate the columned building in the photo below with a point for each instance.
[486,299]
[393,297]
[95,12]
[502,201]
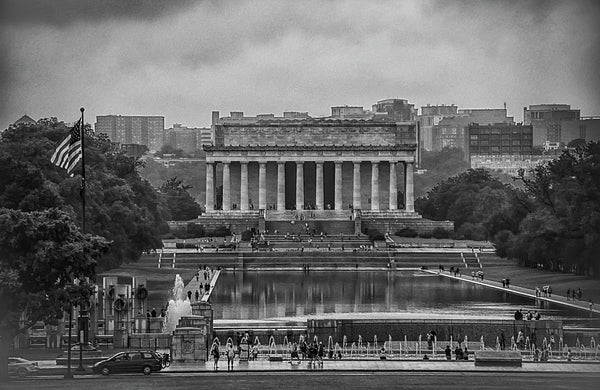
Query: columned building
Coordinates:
[334,174]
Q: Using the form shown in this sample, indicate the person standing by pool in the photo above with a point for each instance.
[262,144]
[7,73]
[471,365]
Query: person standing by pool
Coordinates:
[216,355]
[230,355]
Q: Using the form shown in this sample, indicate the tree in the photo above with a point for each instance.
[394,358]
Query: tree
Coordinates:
[564,223]
[479,204]
[180,204]
[43,252]
[440,166]
[120,205]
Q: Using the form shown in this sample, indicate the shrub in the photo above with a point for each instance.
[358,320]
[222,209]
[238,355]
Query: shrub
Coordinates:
[440,232]
[406,232]
[425,235]
[196,230]
[247,235]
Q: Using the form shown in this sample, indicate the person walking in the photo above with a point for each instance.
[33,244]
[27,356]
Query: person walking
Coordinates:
[448,352]
[216,355]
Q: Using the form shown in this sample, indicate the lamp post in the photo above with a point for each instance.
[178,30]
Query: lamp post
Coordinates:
[83,330]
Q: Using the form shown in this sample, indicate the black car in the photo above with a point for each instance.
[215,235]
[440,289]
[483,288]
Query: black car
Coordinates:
[131,361]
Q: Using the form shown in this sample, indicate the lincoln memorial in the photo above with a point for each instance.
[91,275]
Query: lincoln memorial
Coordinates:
[279,168]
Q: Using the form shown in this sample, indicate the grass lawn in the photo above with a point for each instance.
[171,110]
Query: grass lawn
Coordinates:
[532,277]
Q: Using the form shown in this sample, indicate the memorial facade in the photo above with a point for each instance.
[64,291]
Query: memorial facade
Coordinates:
[337,175]
[311,164]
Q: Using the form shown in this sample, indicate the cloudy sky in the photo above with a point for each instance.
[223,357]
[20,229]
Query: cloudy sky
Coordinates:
[183,59]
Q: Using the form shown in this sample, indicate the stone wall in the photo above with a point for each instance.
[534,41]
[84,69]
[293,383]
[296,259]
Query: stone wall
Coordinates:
[315,133]
[392,225]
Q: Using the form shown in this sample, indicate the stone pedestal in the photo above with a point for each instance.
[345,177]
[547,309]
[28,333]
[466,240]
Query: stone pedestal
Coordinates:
[192,337]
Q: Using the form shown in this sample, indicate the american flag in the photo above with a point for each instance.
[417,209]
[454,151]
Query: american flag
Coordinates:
[68,153]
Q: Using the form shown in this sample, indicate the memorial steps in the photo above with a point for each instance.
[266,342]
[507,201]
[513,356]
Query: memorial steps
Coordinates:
[320,258]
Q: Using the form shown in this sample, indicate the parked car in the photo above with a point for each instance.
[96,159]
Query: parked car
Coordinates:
[130,361]
[21,367]
[87,347]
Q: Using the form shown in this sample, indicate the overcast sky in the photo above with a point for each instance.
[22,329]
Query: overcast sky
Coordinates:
[183,59]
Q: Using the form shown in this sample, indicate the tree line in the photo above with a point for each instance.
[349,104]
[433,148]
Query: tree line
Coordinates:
[549,216]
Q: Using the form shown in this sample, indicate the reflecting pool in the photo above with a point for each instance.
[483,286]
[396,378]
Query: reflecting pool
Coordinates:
[296,294]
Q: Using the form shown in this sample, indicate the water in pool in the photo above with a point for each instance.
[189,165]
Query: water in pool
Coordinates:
[252,295]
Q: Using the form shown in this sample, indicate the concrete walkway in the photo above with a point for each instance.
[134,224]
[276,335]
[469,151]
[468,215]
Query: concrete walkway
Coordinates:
[382,365]
[194,285]
[526,292]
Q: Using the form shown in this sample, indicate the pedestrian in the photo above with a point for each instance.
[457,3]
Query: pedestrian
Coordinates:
[503,282]
[448,352]
[321,352]
[153,312]
[216,355]
[568,293]
[502,340]
[197,294]
[148,314]
[294,353]
[163,312]
[189,294]
[507,283]
[466,354]
[458,352]
[230,355]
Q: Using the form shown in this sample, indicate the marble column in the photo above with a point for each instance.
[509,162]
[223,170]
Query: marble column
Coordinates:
[356,185]
[393,187]
[226,187]
[408,191]
[210,187]
[299,185]
[280,186]
[244,186]
[262,185]
[319,186]
[375,185]
[338,186]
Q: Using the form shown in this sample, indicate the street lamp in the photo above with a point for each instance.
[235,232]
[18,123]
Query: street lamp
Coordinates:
[84,306]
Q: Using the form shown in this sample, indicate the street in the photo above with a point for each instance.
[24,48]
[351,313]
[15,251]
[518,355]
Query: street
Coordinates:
[359,380]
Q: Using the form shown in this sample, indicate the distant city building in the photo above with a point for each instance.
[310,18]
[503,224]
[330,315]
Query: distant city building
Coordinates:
[237,117]
[187,139]
[400,110]
[135,150]
[553,122]
[589,128]
[141,130]
[501,146]
[350,112]
[431,116]
[25,120]
[451,130]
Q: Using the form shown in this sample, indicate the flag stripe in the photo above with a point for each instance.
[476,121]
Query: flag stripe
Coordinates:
[69,152]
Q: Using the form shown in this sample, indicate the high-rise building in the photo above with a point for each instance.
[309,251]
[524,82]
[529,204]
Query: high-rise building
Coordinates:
[501,146]
[141,130]
[188,139]
[431,116]
[553,122]
[451,130]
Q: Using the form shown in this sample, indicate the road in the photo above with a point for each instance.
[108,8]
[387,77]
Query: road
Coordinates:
[316,380]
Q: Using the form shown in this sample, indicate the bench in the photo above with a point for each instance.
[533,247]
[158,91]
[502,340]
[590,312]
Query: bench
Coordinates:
[498,358]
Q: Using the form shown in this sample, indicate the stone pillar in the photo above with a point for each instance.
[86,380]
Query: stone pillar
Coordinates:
[210,190]
[244,186]
[375,185]
[262,185]
[356,190]
[280,186]
[319,186]
[408,190]
[338,186]
[226,187]
[393,187]
[299,185]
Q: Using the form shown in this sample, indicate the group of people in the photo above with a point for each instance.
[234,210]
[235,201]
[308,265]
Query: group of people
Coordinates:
[529,316]
[459,353]
[574,294]
[546,291]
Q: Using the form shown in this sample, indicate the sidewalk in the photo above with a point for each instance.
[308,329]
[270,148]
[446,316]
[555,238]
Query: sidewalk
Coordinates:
[526,292]
[382,365]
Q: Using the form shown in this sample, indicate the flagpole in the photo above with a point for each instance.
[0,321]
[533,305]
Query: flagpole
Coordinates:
[82,171]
